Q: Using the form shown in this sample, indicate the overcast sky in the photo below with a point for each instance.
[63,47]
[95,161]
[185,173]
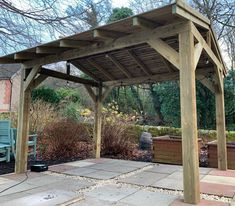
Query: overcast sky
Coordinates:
[120,3]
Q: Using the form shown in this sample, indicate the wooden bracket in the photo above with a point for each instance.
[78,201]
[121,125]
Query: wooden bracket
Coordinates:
[29,80]
[197,53]
[165,50]
[207,83]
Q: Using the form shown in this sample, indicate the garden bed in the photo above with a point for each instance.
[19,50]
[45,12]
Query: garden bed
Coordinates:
[213,158]
[168,149]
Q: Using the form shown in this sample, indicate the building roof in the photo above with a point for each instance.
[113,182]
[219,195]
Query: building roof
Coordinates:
[120,50]
[8,70]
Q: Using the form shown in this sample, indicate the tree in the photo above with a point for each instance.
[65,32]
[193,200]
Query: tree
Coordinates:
[120,13]
[90,13]
[27,23]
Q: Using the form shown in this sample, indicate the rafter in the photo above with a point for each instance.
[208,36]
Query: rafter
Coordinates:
[119,65]
[106,34]
[139,62]
[25,56]
[165,50]
[106,46]
[144,23]
[102,70]
[49,50]
[69,43]
[84,70]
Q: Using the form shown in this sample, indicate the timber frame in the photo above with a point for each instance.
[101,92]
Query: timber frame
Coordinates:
[174,42]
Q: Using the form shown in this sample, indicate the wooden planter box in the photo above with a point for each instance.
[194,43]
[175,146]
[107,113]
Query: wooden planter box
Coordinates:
[168,149]
[213,158]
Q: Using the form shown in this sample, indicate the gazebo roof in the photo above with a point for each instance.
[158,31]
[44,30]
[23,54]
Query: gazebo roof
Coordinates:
[120,50]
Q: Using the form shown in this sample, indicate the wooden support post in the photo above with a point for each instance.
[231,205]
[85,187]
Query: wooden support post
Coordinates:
[98,121]
[189,118]
[220,126]
[23,126]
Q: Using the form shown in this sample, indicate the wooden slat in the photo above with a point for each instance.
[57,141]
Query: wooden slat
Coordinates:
[139,62]
[59,75]
[165,50]
[189,118]
[102,70]
[119,65]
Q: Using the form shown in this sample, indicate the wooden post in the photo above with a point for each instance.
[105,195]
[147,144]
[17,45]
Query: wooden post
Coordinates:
[220,126]
[98,121]
[189,118]
[23,126]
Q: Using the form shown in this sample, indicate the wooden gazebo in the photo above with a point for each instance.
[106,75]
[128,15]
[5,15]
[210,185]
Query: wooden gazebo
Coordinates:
[168,43]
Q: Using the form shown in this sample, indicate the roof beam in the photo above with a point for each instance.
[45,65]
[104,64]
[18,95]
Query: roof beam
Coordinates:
[59,75]
[25,56]
[119,65]
[49,50]
[69,43]
[165,50]
[153,78]
[139,62]
[106,34]
[99,68]
[9,60]
[144,23]
[107,46]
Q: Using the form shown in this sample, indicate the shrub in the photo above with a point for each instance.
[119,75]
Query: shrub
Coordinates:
[115,136]
[65,139]
[41,114]
[46,94]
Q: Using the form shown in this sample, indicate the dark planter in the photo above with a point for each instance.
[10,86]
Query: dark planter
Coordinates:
[213,158]
[168,149]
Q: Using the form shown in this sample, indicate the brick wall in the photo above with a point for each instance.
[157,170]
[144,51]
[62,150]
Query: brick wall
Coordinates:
[5,95]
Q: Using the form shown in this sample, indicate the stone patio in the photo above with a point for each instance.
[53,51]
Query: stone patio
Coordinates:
[103,182]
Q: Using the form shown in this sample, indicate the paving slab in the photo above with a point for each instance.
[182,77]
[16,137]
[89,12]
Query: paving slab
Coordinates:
[46,198]
[112,193]
[20,177]
[80,171]
[166,169]
[179,175]
[180,202]
[219,180]
[80,163]
[60,168]
[228,173]
[102,175]
[217,189]
[4,181]
[144,178]
[119,168]
[90,201]
[168,183]
[142,197]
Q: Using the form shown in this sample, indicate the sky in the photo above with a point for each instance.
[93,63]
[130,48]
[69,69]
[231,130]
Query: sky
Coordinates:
[120,3]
